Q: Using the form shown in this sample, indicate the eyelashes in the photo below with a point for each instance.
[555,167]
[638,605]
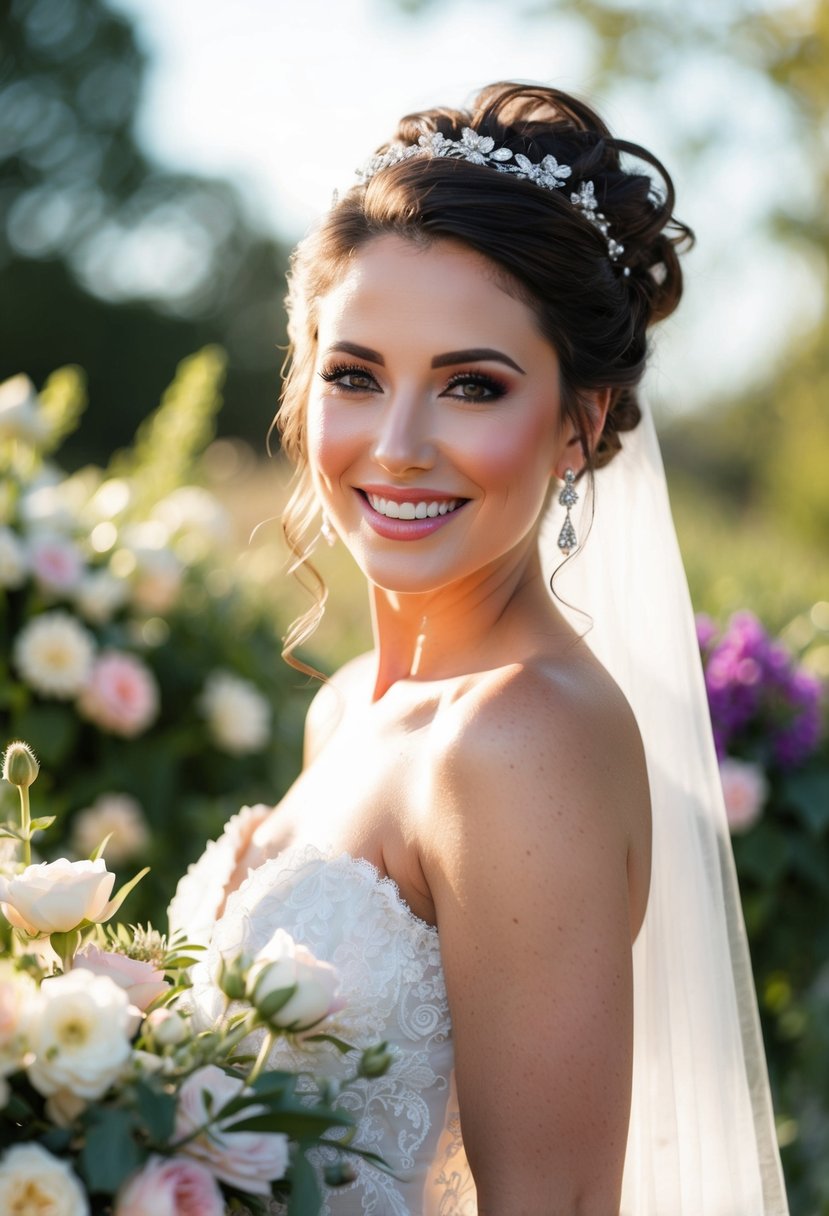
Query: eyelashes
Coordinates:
[472,386]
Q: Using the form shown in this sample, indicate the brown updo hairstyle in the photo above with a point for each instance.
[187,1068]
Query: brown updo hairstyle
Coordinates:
[594,311]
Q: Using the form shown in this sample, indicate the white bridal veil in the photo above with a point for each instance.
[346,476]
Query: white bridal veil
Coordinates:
[702,1139]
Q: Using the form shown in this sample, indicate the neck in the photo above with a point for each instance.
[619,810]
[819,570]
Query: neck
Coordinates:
[458,629]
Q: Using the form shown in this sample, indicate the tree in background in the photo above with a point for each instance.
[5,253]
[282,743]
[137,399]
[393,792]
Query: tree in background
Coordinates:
[106,260]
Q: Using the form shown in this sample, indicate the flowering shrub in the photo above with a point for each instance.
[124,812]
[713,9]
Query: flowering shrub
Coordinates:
[766,711]
[134,656]
[112,1099]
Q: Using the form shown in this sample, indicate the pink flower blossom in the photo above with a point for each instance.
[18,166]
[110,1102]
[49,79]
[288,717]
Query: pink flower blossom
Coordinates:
[745,790]
[56,563]
[141,981]
[170,1186]
[246,1160]
[121,695]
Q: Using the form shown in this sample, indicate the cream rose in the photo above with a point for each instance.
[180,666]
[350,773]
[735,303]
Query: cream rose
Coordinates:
[141,981]
[32,1180]
[80,1035]
[247,1160]
[56,896]
[283,964]
[170,1186]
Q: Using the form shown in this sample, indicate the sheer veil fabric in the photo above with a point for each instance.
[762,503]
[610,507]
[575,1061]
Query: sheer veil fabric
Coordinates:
[702,1139]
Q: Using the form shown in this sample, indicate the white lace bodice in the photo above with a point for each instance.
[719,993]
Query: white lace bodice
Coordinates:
[389,961]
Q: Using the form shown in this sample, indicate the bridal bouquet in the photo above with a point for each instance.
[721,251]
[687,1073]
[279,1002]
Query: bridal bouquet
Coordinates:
[111,1099]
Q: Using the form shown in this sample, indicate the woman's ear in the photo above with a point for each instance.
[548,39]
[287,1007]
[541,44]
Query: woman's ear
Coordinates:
[595,405]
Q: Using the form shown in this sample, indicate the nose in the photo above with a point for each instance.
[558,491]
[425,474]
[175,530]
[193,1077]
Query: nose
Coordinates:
[403,441]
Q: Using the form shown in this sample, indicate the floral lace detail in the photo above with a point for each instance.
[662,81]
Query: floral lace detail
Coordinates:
[393,984]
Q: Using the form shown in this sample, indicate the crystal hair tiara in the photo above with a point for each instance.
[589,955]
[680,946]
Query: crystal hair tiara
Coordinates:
[480,150]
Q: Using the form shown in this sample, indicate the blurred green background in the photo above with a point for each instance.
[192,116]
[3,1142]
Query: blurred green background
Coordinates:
[124,263]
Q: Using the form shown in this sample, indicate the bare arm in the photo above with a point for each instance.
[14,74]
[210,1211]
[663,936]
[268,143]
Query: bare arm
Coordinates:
[530,885]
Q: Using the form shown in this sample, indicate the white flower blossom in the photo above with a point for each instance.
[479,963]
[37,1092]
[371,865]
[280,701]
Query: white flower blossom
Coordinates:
[118,816]
[80,1036]
[33,1181]
[53,654]
[238,716]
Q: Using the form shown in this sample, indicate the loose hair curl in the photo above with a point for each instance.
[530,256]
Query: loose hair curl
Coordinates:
[594,312]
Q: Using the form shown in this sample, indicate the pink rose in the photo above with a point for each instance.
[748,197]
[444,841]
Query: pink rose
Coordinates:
[56,563]
[141,981]
[249,1161]
[121,695]
[170,1186]
[745,790]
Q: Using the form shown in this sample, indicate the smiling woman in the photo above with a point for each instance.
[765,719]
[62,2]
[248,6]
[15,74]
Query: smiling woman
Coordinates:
[536,912]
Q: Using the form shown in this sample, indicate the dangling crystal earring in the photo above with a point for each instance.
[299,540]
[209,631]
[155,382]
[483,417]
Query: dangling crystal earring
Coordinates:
[327,532]
[568,498]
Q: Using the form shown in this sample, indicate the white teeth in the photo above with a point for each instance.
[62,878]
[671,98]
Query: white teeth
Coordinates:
[411,510]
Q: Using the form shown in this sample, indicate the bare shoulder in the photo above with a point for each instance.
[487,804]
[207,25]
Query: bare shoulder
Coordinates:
[546,736]
[326,709]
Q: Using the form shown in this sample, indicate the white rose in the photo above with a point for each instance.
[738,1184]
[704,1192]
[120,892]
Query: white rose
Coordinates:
[80,1035]
[247,1160]
[56,896]
[238,716]
[56,562]
[283,964]
[33,1181]
[118,816]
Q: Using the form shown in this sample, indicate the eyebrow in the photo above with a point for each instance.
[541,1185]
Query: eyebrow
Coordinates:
[478,354]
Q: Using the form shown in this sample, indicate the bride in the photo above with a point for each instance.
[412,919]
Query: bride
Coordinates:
[538,912]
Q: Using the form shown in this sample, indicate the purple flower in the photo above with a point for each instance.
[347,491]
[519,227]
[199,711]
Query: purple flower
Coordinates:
[762,704]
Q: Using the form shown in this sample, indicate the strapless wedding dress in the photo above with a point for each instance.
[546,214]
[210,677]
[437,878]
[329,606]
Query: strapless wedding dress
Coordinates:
[389,962]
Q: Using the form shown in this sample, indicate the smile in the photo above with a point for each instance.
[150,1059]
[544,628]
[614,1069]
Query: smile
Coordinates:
[412,510]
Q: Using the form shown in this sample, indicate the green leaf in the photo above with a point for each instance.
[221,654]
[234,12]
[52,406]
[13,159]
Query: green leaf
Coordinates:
[306,1195]
[157,1111]
[116,901]
[299,1124]
[11,833]
[44,822]
[99,851]
[340,1044]
[110,1151]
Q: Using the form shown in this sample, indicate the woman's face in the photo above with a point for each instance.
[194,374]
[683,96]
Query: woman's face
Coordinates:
[434,420]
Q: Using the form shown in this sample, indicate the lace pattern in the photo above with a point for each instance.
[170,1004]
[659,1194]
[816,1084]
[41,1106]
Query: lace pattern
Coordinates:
[392,980]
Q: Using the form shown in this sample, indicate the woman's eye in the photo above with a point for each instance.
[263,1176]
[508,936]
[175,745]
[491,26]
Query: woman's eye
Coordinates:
[474,386]
[353,379]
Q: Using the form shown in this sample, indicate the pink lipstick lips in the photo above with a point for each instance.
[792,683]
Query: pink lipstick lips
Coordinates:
[407,514]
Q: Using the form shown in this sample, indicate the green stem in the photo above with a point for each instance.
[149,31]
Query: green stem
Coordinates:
[25,825]
[261,1059]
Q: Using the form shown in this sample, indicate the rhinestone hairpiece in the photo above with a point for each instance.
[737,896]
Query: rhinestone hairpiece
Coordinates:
[480,150]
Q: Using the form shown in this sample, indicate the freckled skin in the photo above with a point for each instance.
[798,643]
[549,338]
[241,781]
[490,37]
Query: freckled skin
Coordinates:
[479,755]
